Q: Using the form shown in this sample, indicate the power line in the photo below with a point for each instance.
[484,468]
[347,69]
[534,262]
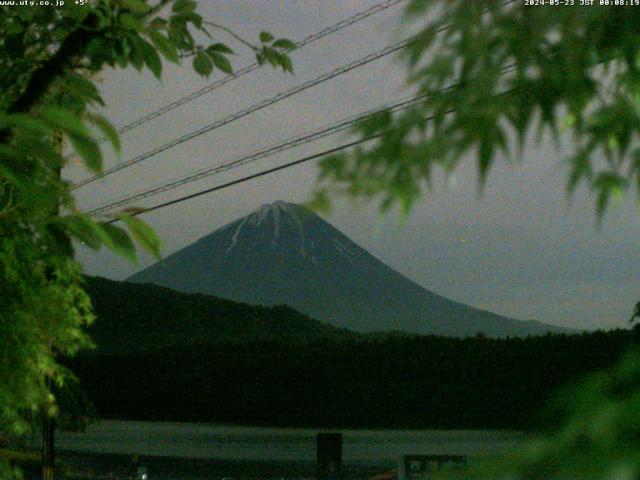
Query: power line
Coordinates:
[265,103]
[398,106]
[270,151]
[262,173]
[254,66]
[243,113]
[251,177]
[334,128]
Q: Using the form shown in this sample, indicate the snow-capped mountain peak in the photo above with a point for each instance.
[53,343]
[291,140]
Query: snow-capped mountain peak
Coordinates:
[283,253]
[273,220]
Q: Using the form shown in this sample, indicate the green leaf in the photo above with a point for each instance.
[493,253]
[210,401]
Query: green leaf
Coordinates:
[65,120]
[285,44]
[165,46]
[143,234]
[120,53]
[202,64]
[25,122]
[580,168]
[136,57]
[135,6]
[129,21]
[98,52]
[287,64]
[151,58]
[81,139]
[266,37]
[278,59]
[220,48]
[158,23]
[180,35]
[13,28]
[635,165]
[11,176]
[606,184]
[485,156]
[107,129]
[221,62]
[119,241]
[83,88]
[43,149]
[184,7]
[272,56]
[88,150]
[84,229]
[40,198]
[9,158]
[416,8]
[601,203]
[319,202]
[196,19]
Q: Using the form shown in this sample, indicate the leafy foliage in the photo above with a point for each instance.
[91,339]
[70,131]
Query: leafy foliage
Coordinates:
[48,57]
[274,51]
[597,440]
[492,72]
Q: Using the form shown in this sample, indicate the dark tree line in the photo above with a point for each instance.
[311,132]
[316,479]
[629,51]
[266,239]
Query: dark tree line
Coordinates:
[385,380]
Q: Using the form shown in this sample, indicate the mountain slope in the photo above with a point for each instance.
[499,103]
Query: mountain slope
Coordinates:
[285,254]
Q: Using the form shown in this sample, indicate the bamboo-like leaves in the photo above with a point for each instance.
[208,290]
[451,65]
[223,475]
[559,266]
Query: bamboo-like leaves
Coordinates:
[84,229]
[117,239]
[80,137]
[96,234]
[107,129]
[143,234]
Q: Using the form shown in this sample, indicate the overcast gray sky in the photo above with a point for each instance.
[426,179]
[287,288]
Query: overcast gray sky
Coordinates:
[520,249]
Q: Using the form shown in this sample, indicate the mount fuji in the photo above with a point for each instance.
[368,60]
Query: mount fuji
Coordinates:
[285,254]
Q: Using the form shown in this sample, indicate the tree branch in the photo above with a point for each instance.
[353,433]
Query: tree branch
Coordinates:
[234,35]
[42,79]
[73,46]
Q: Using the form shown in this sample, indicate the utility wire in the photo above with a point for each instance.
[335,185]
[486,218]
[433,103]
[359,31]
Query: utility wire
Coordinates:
[243,113]
[262,173]
[308,137]
[251,177]
[254,66]
[280,167]
[250,158]
[265,103]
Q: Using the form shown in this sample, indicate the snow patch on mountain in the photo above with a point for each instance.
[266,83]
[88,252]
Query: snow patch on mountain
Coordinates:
[343,249]
[273,214]
[276,225]
[234,238]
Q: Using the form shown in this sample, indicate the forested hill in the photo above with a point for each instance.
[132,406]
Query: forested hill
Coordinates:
[141,318]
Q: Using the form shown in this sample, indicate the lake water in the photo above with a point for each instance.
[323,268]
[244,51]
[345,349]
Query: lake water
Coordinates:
[276,444]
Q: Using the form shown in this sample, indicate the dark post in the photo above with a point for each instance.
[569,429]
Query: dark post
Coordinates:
[49,423]
[48,432]
[329,456]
